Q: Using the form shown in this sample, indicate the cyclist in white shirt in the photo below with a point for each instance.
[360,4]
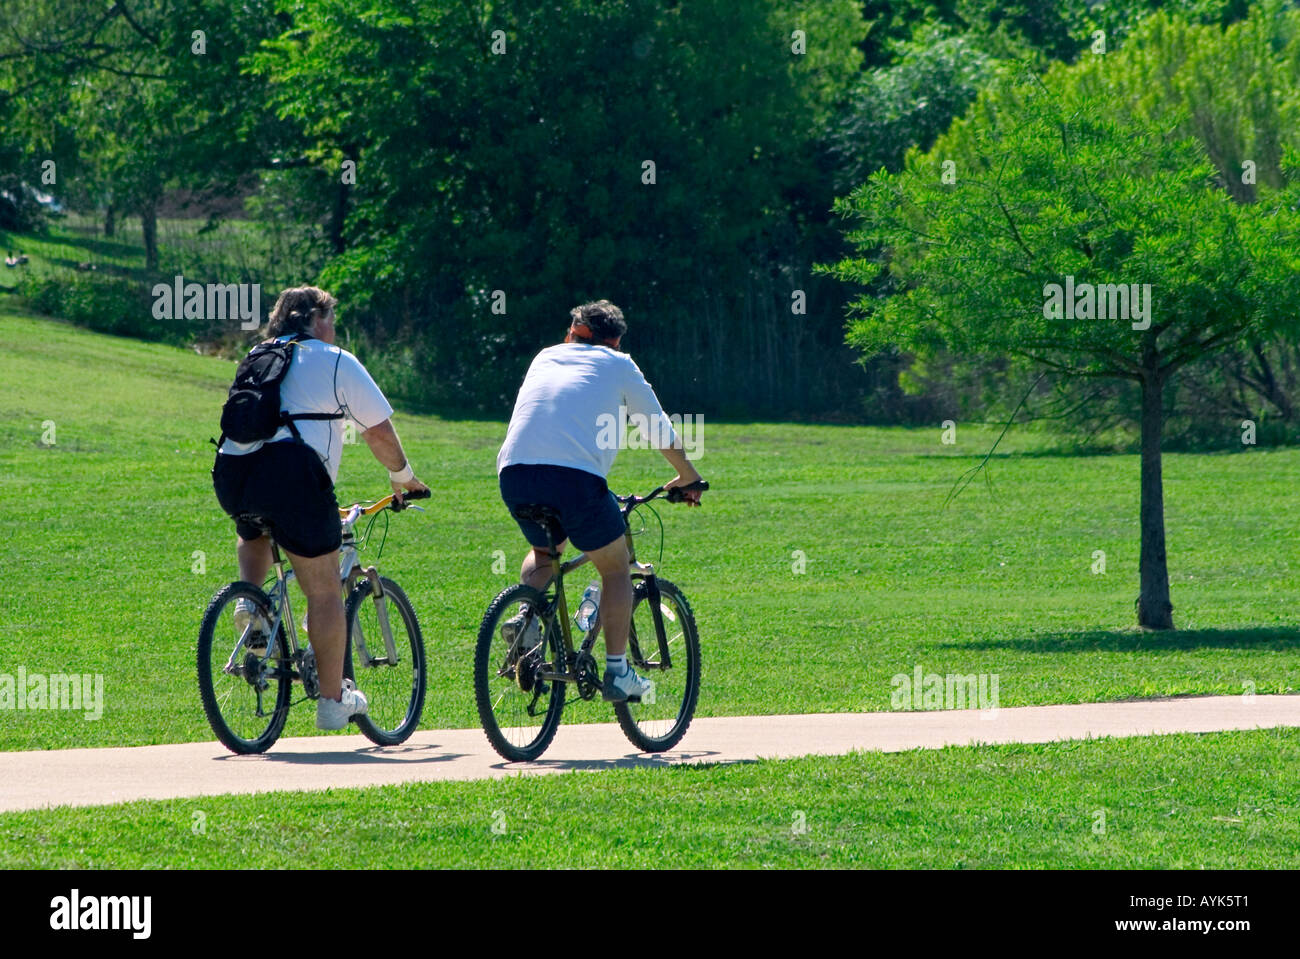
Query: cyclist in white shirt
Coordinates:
[557,452]
[288,482]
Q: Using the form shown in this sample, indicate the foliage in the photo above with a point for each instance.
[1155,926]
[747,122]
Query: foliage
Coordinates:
[931,80]
[104,303]
[522,171]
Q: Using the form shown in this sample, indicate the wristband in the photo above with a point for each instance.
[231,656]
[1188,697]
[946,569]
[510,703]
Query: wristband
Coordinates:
[404,475]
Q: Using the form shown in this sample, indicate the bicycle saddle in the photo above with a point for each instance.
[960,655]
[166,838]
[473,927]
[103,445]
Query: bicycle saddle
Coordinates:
[536,513]
[253,519]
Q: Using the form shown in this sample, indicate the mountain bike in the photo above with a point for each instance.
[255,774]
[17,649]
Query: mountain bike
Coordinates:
[520,681]
[248,664]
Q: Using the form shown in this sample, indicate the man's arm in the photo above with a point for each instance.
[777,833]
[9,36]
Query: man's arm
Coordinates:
[686,473]
[387,448]
[640,398]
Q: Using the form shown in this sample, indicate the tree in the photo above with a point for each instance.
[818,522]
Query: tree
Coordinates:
[932,80]
[1036,227]
[658,155]
[136,97]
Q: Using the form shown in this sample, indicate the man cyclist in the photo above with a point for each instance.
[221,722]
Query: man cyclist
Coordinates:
[554,455]
[288,482]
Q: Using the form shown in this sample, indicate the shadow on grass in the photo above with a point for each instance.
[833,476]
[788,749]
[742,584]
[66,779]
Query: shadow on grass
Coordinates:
[95,246]
[1279,638]
[101,269]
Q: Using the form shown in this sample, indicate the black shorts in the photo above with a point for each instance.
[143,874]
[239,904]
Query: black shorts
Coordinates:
[589,514]
[287,486]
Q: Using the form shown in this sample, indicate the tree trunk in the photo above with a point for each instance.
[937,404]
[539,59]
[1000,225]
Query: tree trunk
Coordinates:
[149,227]
[110,221]
[339,214]
[1153,607]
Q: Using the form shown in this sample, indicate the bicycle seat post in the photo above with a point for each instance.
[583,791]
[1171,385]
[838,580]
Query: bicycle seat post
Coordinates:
[554,553]
[545,517]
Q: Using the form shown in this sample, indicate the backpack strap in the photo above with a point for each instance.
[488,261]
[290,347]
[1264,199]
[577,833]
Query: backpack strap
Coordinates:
[288,420]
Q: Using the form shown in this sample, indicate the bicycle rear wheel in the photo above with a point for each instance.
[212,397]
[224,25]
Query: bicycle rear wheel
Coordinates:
[660,720]
[394,688]
[245,693]
[520,712]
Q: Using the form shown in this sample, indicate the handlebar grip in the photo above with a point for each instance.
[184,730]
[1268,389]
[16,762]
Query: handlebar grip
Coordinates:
[678,493]
[409,495]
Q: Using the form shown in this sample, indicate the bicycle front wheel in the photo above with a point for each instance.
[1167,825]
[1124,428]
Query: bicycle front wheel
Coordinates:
[393,678]
[244,684]
[660,720]
[520,711]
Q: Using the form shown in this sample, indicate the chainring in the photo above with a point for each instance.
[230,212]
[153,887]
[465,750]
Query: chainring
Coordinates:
[588,675]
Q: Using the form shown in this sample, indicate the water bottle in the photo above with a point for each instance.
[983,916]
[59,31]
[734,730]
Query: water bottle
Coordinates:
[588,606]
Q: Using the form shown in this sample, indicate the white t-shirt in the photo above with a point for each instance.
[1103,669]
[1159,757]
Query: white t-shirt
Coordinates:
[324,379]
[571,411]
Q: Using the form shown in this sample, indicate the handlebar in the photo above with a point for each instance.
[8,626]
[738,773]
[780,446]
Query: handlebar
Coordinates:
[388,502]
[675,495]
[678,493]
[408,495]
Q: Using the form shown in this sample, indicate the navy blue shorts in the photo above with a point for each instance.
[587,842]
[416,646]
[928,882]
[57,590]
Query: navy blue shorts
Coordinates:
[286,486]
[589,514]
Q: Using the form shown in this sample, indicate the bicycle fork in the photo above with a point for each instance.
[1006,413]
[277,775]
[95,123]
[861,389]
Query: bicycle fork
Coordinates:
[385,627]
[647,573]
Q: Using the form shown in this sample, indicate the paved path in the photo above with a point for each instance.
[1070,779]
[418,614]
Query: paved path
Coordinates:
[93,777]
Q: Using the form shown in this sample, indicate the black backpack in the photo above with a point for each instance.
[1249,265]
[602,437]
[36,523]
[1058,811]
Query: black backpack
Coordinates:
[252,411]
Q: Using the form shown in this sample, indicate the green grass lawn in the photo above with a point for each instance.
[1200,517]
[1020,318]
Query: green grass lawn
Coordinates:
[1144,803]
[230,250]
[107,527]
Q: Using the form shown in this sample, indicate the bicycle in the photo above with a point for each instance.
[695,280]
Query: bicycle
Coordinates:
[520,683]
[246,693]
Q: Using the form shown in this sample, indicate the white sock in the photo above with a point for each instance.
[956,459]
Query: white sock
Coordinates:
[616,664]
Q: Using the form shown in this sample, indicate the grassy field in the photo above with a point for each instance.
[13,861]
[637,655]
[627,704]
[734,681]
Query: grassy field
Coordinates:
[230,248]
[116,544]
[1102,804]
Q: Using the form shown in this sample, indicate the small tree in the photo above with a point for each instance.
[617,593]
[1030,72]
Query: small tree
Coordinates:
[1036,228]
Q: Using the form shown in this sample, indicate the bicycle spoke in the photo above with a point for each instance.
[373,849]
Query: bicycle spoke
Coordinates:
[245,718]
[393,681]
[659,720]
[519,710]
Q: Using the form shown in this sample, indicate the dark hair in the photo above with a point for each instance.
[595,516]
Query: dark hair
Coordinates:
[603,318]
[296,308]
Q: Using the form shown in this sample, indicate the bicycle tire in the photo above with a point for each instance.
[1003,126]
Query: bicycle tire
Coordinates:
[373,725]
[644,723]
[218,689]
[493,681]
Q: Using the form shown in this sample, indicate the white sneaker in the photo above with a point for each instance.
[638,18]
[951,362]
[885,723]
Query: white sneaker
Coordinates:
[245,613]
[336,714]
[629,687]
